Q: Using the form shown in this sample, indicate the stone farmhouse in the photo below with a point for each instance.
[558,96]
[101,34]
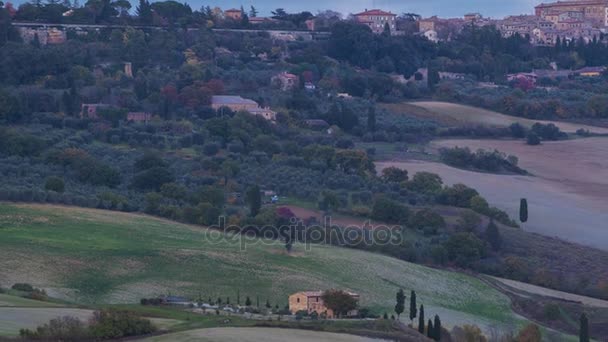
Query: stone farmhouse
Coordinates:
[312,301]
[377,19]
[237,103]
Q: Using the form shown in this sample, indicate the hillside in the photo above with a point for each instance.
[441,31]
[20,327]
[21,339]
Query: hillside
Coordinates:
[92,256]
[452,114]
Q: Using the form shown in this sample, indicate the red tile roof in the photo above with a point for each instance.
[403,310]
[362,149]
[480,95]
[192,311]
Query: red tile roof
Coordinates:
[374,12]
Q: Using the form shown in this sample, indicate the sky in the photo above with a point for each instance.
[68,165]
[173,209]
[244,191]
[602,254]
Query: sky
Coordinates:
[426,8]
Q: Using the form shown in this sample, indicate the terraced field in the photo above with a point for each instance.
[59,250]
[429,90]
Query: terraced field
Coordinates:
[91,256]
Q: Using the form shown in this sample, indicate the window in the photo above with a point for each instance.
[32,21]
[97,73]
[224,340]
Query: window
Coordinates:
[298,300]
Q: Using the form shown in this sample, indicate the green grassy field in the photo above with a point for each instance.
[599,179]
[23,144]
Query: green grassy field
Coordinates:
[95,257]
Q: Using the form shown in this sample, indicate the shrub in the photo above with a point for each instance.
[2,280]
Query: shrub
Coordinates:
[114,324]
[389,211]
[54,183]
[65,328]
[23,287]
[532,139]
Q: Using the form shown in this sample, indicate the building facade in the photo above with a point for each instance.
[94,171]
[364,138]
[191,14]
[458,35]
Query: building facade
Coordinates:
[312,301]
[237,104]
[377,20]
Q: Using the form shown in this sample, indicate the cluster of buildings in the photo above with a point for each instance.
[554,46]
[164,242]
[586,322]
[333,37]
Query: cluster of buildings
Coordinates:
[568,20]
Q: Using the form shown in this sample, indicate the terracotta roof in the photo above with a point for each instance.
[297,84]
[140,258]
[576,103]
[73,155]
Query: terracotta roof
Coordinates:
[374,12]
[571,3]
[233,10]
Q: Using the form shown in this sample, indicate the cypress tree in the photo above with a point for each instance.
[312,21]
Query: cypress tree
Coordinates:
[413,305]
[584,329]
[254,198]
[437,328]
[429,329]
[385,316]
[257,301]
[400,305]
[421,320]
[238,297]
[523,210]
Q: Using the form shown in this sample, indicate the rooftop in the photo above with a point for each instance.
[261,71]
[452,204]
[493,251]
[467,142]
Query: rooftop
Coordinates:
[231,100]
[374,12]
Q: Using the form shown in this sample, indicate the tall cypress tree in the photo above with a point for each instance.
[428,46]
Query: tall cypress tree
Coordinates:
[254,199]
[429,329]
[584,329]
[413,305]
[421,320]
[437,328]
[400,305]
[523,210]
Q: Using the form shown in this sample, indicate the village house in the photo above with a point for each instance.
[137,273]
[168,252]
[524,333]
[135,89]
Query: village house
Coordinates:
[285,81]
[312,301]
[237,103]
[590,71]
[233,13]
[377,19]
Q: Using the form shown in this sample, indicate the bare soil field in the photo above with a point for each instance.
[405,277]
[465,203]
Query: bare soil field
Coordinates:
[558,206]
[257,334]
[451,114]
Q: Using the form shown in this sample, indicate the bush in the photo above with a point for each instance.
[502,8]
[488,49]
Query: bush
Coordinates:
[114,324]
[65,328]
[532,139]
[54,183]
[23,287]
[389,211]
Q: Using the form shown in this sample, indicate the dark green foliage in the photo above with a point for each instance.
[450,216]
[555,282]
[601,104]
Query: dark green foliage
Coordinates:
[22,287]
[65,328]
[247,301]
[400,302]
[437,329]
[481,160]
[114,324]
[532,139]
[458,195]
[371,119]
[421,320]
[464,249]
[584,329]
[54,183]
[152,179]
[427,220]
[523,210]
[430,331]
[389,211]
[19,143]
[413,306]
[254,199]
[493,236]
[340,302]
[394,174]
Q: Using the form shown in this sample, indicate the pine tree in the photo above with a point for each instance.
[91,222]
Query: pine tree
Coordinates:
[437,328]
[253,12]
[371,119]
[413,306]
[493,236]
[429,329]
[584,329]
[385,316]
[400,305]
[421,320]
[247,301]
[523,210]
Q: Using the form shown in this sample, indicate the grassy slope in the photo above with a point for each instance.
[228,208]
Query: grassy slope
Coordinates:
[92,256]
